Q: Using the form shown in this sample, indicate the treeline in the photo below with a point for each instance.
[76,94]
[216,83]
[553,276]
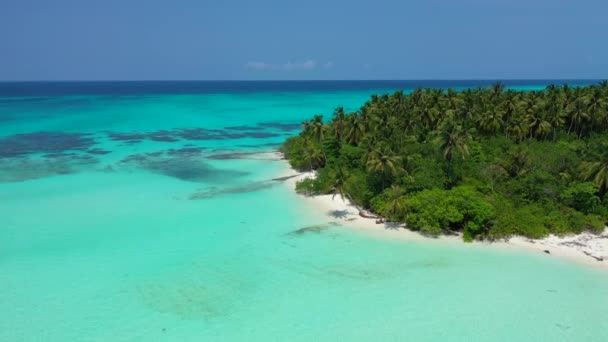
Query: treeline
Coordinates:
[491,163]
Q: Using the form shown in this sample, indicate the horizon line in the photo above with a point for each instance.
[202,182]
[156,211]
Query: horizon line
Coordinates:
[311,80]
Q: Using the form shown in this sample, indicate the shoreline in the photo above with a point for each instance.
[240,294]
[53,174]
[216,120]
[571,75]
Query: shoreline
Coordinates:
[584,248]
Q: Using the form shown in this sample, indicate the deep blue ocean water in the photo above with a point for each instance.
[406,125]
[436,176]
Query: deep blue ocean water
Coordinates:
[210,87]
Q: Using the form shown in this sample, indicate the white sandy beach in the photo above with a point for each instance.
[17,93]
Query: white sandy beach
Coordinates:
[583,248]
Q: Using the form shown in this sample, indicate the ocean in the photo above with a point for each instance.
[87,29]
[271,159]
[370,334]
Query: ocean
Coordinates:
[143,211]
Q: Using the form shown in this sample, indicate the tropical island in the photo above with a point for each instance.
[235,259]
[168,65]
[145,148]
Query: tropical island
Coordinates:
[487,163]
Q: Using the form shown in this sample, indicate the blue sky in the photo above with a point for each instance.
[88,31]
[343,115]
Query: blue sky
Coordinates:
[307,39]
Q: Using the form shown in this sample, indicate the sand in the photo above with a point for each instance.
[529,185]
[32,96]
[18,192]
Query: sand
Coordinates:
[585,248]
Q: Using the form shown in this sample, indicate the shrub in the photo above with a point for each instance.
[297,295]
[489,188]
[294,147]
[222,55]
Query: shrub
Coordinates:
[461,208]
[582,197]
[306,187]
[350,156]
[526,221]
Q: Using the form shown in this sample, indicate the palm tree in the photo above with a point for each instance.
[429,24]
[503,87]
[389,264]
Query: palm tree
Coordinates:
[338,123]
[516,164]
[598,173]
[317,128]
[509,106]
[491,121]
[596,106]
[467,113]
[578,114]
[452,138]
[355,129]
[556,120]
[339,179]
[313,154]
[380,122]
[517,128]
[384,162]
[400,102]
[395,205]
[307,128]
[496,90]
[538,122]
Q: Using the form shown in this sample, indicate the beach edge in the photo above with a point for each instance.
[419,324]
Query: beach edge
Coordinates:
[584,248]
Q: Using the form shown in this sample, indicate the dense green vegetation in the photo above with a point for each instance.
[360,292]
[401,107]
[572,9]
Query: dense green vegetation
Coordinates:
[490,163]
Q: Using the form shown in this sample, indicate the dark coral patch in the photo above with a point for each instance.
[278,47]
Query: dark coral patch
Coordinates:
[201,134]
[287,127]
[188,134]
[25,168]
[262,145]
[164,138]
[245,128]
[57,155]
[314,229]
[234,155]
[43,142]
[185,151]
[216,134]
[184,164]
[259,135]
[235,190]
[184,169]
[162,135]
[98,151]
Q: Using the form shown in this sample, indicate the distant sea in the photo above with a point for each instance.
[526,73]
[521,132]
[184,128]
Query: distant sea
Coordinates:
[141,211]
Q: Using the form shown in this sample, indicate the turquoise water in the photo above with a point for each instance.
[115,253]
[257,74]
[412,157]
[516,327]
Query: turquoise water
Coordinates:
[142,217]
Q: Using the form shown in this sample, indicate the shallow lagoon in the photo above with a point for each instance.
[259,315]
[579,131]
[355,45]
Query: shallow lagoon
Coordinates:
[188,238]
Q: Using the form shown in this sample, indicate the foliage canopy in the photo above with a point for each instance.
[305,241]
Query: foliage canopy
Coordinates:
[490,163]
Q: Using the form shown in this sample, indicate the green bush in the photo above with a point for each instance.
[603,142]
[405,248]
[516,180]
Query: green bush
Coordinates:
[582,197]
[528,221]
[306,187]
[427,173]
[350,156]
[461,208]
[580,222]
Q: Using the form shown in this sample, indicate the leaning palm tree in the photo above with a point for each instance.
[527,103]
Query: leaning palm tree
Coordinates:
[339,180]
[395,206]
[598,173]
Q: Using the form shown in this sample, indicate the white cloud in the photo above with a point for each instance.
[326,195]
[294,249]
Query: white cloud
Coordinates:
[259,65]
[309,64]
[305,65]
